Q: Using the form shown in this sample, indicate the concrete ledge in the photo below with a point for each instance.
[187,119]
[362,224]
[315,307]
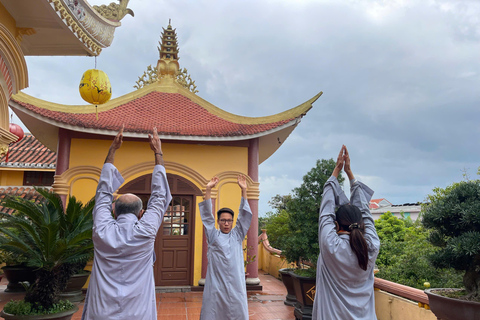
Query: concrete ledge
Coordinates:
[392,307]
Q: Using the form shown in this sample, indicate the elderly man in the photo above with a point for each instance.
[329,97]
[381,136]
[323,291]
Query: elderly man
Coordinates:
[225,293]
[121,285]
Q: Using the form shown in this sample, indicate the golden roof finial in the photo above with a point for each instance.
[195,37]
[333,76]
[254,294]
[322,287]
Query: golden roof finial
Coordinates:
[168,68]
[168,63]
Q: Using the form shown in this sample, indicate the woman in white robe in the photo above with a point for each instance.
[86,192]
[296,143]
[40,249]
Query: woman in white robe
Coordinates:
[344,288]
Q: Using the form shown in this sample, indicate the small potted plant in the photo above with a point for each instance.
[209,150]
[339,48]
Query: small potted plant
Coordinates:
[53,240]
[16,271]
[453,216]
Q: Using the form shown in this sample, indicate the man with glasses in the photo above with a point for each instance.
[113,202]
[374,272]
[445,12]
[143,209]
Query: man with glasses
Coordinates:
[225,293]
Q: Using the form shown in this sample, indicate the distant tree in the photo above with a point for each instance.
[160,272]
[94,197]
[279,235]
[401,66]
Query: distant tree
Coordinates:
[303,210]
[277,228]
[404,254]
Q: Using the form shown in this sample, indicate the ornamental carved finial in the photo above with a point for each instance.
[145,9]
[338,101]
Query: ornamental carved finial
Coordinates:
[3,149]
[113,11]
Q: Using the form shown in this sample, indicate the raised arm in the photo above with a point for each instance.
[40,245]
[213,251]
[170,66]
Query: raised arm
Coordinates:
[110,180]
[156,146]
[116,144]
[360,195]
[333,196]
[160,197]
[244,218]
[205,207]
[208,189]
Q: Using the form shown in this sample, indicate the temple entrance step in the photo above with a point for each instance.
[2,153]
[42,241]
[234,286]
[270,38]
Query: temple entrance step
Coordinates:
[168,289]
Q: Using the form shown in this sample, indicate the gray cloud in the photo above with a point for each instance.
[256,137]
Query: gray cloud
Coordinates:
[400,80]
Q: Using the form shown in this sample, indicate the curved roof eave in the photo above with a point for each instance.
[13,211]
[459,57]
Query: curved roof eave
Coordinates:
[172,87]
[46,130]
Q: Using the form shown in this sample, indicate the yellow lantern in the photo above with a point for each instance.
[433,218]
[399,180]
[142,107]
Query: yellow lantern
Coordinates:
[95,88]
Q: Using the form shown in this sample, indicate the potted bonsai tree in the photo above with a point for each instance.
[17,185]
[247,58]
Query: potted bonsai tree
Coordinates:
[53,241]
[453,215]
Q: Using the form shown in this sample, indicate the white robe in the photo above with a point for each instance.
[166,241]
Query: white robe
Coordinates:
[225,293]
[121,284]
[344,290]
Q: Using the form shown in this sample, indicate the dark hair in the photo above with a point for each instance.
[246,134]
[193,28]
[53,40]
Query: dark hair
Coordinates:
[349,218]
[228,210]
[122,207]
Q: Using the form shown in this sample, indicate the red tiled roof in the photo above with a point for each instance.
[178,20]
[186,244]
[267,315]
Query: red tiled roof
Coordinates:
[28,193]
[172,113]
[30,153]
[375,203]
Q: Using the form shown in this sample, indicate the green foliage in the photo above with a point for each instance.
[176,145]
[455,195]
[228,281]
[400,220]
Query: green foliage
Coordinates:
[404,255]
[52,241]
[453,215]
[277,228]
[22,308]
[301,242]
[307,272]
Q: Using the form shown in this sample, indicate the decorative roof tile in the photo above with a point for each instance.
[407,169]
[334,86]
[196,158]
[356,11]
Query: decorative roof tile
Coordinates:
[28,193]
[172,113]
[29,153]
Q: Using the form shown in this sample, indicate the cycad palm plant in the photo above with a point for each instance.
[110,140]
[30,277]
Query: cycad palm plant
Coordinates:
[53,241]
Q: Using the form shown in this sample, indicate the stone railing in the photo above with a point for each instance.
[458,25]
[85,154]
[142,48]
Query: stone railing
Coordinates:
[393,301]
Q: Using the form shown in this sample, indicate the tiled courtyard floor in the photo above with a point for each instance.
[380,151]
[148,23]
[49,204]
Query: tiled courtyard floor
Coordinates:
[262,305]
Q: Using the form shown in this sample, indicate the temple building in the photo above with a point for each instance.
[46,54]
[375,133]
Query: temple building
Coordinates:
[199,141]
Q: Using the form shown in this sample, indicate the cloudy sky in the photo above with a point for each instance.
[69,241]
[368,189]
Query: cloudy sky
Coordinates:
[401,80]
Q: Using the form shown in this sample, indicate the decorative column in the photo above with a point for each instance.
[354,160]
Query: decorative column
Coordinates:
[201,282]
[13,78]
[252,234]
[63,162]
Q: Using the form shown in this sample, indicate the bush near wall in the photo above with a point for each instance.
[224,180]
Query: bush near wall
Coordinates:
[404,255]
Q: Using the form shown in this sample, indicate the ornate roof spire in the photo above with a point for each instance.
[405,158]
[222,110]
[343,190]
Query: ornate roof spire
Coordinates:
[168,70]
[168,50]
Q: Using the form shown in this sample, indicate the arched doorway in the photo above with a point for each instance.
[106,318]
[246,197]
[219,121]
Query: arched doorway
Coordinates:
[174,245]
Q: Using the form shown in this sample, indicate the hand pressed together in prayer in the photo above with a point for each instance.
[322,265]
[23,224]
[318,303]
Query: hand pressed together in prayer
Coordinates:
[343,162]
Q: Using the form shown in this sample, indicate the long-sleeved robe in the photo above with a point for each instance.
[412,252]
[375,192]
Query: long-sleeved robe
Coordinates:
[121,284]
[344,290]
[225,293]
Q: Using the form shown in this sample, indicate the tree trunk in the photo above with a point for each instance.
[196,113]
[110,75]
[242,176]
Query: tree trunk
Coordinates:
[471,280]
[43,291]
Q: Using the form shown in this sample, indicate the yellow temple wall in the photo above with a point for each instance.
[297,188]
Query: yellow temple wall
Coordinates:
[204,160]
[11,177]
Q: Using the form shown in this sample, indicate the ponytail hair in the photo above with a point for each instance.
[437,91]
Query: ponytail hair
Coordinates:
[349,218]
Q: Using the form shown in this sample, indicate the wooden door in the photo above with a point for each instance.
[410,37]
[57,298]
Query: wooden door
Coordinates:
[175,238]
[173,244]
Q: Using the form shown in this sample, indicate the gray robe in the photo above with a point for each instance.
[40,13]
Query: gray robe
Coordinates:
[121,284]
[225,293]
[344,290]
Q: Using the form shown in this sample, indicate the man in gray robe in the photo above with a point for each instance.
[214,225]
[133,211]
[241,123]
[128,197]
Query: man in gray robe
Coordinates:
[225,293]
[121,284]
[344,290]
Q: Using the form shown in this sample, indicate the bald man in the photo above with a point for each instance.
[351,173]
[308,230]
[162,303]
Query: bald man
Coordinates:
[121,284]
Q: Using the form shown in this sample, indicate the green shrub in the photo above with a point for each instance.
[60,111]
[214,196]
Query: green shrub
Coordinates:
[453,216]
[21,308]
[404,255]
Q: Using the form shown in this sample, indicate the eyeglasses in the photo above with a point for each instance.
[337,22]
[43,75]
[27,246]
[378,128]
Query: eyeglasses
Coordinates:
[224,221]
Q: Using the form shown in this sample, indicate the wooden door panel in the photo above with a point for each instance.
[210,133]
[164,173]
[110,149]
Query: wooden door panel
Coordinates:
[174,244]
